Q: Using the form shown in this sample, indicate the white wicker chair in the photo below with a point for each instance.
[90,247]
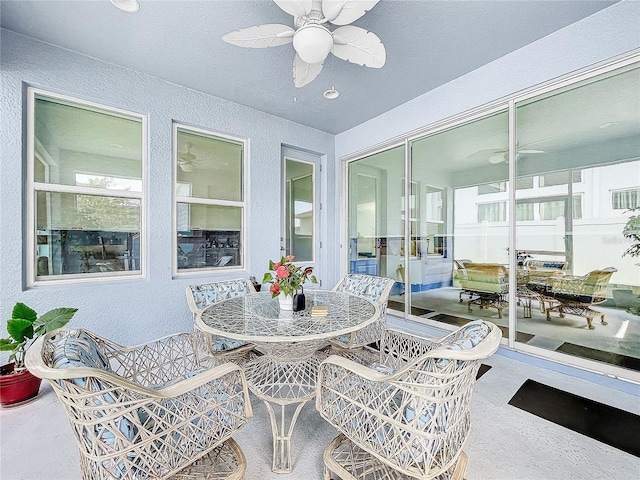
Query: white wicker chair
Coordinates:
[375,289]
[149,411]
[407,416]
[201,296]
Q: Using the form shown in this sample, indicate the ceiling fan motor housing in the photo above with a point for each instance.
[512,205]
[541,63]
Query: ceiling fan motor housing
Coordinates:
[313,42]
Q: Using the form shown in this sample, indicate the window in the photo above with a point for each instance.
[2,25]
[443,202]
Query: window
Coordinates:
[494,187]
[524,183]
[209,199]
[86,195]
[492,212]
[625,199]
[524,211]
[554,209]
[560,178]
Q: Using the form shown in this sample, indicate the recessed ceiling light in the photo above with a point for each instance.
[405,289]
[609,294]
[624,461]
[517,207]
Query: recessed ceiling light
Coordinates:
[609,124]
[116,145]
[331,93]
[130,6]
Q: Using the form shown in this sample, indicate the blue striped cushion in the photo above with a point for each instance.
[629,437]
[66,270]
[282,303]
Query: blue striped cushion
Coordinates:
[77,350]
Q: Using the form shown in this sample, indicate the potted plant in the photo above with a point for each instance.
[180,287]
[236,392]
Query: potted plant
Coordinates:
[24,326]
[626,298]
[286,279]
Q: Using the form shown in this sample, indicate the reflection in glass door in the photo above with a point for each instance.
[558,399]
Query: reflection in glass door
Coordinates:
[375,225]
[299,210]
[571,292]
[575,196]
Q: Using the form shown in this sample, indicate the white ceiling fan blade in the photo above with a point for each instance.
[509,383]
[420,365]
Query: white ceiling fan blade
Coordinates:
[303,72]
[356,45]
[498,158]
[260,36]
[296,8]
[343,12]
[531,151]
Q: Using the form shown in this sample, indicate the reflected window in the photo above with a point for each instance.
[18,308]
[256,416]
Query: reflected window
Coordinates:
[376,202]
[524,211]
[492,212]
[492,188]
[560,178]
[209,193]
[299,209]
[625,199]
[86,166]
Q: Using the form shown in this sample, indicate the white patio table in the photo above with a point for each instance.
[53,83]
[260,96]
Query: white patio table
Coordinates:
[286,374]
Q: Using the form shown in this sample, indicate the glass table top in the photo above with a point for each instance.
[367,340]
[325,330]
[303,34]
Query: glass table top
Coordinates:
[257,316]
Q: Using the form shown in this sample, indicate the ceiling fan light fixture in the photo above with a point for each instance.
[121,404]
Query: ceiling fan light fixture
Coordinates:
[313,43]
[187,167]
[129,6]
[332,93]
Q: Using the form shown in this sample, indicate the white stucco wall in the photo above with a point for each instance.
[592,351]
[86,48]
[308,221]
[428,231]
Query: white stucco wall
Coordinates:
[134,311]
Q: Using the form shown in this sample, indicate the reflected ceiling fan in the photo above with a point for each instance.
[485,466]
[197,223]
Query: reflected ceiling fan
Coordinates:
[499,155]
[312,40]
[188,162]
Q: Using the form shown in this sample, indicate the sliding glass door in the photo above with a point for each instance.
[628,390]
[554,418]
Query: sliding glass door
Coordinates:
[582,174]
[552,177]
[376,218]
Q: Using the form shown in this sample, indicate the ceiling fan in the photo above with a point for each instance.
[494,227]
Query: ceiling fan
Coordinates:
[312,40]
[188,162]
[499,155]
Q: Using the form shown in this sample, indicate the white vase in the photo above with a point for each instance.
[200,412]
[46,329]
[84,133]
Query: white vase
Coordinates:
[286,302]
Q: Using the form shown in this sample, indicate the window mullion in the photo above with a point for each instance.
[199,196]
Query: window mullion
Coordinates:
[52,187]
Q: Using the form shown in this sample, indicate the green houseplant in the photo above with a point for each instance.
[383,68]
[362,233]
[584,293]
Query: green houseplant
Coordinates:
[25,326]
[631,231]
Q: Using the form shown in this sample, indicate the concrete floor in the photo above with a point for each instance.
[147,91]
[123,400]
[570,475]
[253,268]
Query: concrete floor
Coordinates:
[506,443]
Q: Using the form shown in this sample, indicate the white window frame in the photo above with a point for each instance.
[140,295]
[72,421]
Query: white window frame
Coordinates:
[242,204]
[33,187]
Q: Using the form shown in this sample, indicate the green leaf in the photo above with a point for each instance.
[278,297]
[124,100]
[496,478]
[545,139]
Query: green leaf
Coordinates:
[53,319]
[20,329]
[20,310]
[266,278]
[6,344]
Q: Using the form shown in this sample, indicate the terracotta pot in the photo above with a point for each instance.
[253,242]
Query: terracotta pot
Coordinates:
[17,387]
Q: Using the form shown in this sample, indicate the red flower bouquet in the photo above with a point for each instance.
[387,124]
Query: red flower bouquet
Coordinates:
[287,278]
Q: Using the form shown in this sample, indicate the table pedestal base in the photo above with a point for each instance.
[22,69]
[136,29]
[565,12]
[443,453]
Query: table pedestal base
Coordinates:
[287,386]
[282,434]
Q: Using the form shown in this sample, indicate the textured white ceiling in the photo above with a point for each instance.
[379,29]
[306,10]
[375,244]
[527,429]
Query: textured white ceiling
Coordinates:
[428,43]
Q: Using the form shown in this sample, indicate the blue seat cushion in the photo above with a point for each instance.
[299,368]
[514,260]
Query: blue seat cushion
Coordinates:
[76,350]
[222,344]
[467,337]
